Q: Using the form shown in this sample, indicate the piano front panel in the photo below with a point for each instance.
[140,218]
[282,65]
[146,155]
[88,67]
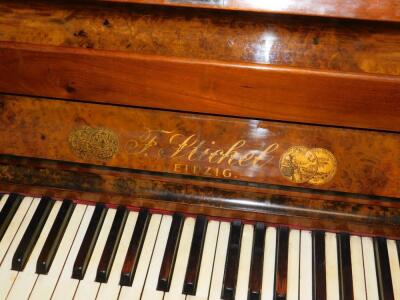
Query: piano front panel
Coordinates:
[232,149]
[295,41]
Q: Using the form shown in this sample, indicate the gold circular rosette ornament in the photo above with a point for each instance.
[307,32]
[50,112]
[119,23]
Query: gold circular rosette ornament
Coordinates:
[93,143]
[300,164]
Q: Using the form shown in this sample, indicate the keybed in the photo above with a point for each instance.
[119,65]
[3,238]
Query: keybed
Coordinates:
[122,254]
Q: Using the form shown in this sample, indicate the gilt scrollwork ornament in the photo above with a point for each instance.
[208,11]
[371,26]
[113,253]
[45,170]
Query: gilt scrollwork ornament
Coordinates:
[98,144]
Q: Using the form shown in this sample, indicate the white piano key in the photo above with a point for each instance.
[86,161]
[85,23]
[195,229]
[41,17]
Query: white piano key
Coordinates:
[7,275]
[110,290]
[246,247]
[267,290]
[207,260]
[26,279]
[135,291]
[13,227]
[305,265]
[3,200]
[219,261]
[150,288]
[394,268]
[357,268]
[66,286]
[371,281]
[332,272]
[182,258]
[88,287]
[46,284]
[293,265]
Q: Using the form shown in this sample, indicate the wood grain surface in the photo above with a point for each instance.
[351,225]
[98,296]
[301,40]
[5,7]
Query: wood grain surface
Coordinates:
[387,10]
[354,161]
[298,209]
[245,90]
[317,43]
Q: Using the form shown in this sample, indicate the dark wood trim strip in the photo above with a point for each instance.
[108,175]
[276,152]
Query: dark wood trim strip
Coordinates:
[237,89]
[127,188]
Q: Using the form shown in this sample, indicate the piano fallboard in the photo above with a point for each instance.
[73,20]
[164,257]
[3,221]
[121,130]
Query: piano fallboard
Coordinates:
[249,150]
[304,176]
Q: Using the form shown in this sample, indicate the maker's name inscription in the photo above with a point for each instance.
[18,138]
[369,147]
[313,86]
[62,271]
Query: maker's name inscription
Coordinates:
[189,153]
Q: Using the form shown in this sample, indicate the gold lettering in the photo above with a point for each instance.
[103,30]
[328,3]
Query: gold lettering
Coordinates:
[214,155]
[264,156]
[227,173]
[246,158]
[195,150]
[231,153]
[184,144]
[208,171]
[178,168]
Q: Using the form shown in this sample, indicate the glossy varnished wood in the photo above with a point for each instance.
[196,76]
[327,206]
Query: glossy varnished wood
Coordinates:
[367,162]
[271,204]
[387,10]
[237,89]
[318,43]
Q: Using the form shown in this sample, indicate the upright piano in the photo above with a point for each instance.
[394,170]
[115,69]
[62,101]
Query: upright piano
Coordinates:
[200,149]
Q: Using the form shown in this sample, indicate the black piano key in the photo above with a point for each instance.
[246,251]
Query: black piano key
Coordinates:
[8,212]
[171,250]
[135,248]
[257,262]
[89,241]
[232,261]
[111,246]
[53,240]
[281,266]
[345,272]
[319,276]
[31,234]
[383,274]
[195,254]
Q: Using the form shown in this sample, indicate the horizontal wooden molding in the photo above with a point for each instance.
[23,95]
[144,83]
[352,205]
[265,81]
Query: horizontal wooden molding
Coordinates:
[311,211]
[317,157]
[386,10]
[212,87]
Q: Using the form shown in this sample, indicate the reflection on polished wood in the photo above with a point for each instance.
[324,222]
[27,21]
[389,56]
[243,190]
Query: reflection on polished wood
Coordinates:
[340,45]
[358,161]
[275,205]
[245,90]
[386,10]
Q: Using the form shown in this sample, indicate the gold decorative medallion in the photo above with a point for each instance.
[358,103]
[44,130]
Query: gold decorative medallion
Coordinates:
[300,164]
[326,166]
[93,143]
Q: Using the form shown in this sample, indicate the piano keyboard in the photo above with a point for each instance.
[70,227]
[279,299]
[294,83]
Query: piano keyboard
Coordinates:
[63,250]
